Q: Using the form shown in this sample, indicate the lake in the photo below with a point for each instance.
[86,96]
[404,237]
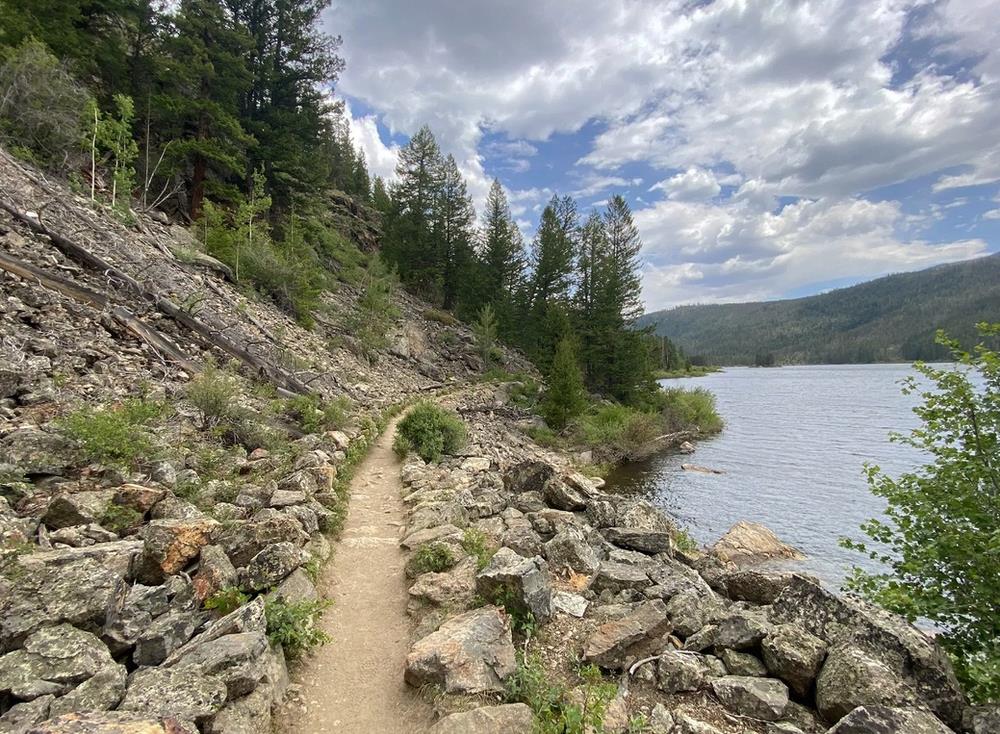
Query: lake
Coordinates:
[793,450]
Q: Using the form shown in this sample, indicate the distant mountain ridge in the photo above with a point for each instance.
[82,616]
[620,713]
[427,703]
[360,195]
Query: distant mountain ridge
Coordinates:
[884,320]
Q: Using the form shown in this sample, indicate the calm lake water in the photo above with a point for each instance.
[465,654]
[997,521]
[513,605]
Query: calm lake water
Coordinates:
[793,450]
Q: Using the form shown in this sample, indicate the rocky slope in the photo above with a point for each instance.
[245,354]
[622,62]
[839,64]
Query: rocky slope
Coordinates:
[693,643]
[127,504]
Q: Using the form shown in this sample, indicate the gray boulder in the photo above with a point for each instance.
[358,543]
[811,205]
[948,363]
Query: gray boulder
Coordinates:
[742,663]
[850,677]
[270,566]
[296,588]
[243,540]
[516,580]
[239,660]
[678,671]
[689,725]
[248,618]
[168,692]
[911,655]
[759,698]
[611,644]
[754,586]
[886,720]
[102,692]
[616,577]
[741,630]
[52,662]
[124,626]
[644,541]
[114,722]
[470,653]
[77,508]
[569,548]
[22,718]
[165,635]
[510,718]
[688,612]
[561,496]
[793,655]
[34,451]
[528,476]
[522,538]
[215,572]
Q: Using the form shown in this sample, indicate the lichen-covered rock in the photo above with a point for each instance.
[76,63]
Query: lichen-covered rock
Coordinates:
[523,582]
[470,653]
[452,589]
[793,655]
[686,724]
[688,612]
[644,541]
[247,618]
[272,565]
[678,671]
[77,508]
[34,451]
[886,720]
[247,715]
[569,549]
[742,663]
[755,586]
[760,698]
[238,660]
[80,592]
[124,626]
[183,694]
[741,630]
[560,495]
[510,718]
[82,536]
[114,722]
[170,545]
[53,661]
[611,644]
[521,538]
[851,678]
[215,572]
[528,476]
[22,718]
[101,692]
[243,540]
[139,498]
[296,588]
[165,635]
[616,577]
[910,655]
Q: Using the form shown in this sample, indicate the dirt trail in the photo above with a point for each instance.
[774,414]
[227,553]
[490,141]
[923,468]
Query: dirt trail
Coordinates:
[355,682]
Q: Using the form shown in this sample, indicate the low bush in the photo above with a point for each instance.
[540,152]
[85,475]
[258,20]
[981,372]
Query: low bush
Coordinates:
[429,431]
[441,317]
[294,625]
[432,558]
[557,711]
[119,519]
[618,432]
[215,393]
[690,410]
[314,415]
[113,435]
[226,600]
[476,544]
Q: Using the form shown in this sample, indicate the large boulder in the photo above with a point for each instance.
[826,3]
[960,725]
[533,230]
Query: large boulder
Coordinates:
[23,717]
[271,565]
[215,572]
[165,635]
[124,626]
[247,618]
[77,508]
[52,662]
[114,722]
[679,670]
[755,586]
[616,577]
[759,698]
[644,541]
[851,677]
[741,630]
[513,579]
[101,692]
[170,545]
[748,542]
[510,718]
[911,655]
[793,655]
[569,549]
[80,592]
[184,694]
[242,540]
[528,476]
[239,660]
[470,653]
[611,644]
[886,720]
[562,496]
[34,451]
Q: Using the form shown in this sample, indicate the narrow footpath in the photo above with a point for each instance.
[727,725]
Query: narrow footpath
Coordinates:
[354,683]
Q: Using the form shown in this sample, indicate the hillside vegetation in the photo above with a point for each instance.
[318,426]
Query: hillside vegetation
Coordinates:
[885,320]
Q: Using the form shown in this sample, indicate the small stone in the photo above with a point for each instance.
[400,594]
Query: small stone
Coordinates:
[568,603]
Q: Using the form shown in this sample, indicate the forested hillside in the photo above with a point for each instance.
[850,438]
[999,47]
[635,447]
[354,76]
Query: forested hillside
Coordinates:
[889,319]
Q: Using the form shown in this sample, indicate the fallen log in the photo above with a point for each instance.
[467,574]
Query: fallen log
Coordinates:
[280,377]
[132,323]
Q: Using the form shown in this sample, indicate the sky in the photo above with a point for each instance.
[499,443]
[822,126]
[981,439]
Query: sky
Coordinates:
[768,149]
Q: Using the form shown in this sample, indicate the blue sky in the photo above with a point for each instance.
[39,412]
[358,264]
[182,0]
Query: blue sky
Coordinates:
[768,149]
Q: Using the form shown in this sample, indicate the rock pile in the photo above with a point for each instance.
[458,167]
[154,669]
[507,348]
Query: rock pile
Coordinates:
[704,646]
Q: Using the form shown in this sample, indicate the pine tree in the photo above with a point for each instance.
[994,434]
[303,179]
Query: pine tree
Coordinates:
[453,233]
[502,257]
[552,277]
[623,281]
[361,181]
[565,397]
[380,196]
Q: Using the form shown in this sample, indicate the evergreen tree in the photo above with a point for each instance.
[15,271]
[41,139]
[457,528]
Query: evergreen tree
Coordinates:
[361,182]
[565,397]
[553,269]
[453,233]
[623,284]
[502,257]
[380,196]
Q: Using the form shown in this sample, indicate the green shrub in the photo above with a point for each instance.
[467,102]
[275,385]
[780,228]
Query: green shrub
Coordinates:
[314,415]
[441,317]
[684,541]
[544,437]
[476,544]
[119,519]
[294,625]
[617,432]
[213,392]
[690,410]
[113,435]
[556,710]
[432,558]
[226,600]
[485,330]
[429,431]
[375,312]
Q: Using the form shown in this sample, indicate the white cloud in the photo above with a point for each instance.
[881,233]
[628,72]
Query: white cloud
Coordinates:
[381,158]
[694,184]
[992,214]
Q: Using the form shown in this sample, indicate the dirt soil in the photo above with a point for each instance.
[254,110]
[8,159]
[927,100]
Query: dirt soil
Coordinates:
[355,682]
